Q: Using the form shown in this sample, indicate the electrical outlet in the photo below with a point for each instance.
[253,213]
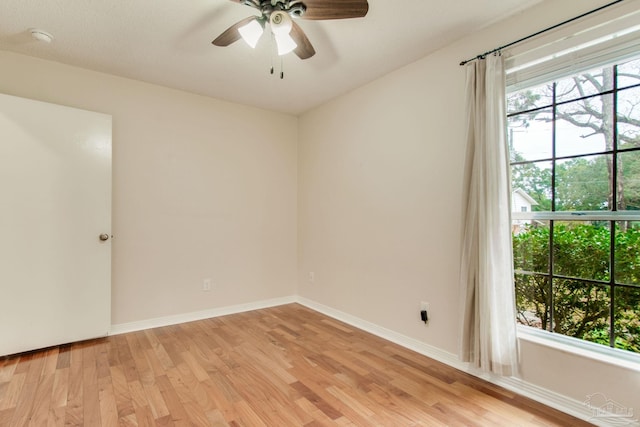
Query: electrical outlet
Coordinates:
[424,312]
[312,277]
[206,285]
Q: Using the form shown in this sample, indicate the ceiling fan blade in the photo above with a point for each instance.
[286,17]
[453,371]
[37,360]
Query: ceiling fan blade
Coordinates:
[304,50]
[231,34]
[335,9]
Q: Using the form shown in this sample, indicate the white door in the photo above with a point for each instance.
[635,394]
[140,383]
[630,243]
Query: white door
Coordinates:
[55,202]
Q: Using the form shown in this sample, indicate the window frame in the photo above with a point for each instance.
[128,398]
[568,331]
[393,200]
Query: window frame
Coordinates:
[611,216]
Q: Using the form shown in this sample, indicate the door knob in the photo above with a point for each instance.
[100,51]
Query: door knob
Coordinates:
[104,237]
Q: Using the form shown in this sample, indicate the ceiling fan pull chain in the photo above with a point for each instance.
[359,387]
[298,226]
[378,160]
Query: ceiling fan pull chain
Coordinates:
[281,68]
[271,51]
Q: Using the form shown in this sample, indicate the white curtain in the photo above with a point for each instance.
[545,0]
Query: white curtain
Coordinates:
[488,320]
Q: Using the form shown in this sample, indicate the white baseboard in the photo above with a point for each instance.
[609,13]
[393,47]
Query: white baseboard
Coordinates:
[547,397]
[157,322]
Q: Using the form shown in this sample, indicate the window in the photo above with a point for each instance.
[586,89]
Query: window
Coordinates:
[575,151]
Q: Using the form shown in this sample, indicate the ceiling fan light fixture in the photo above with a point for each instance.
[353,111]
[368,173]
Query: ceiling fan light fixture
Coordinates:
[281,25]
[251,32]
[279,13]
[285,43]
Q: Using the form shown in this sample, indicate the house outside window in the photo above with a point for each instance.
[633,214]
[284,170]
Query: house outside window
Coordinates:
[575,163]
[521,202]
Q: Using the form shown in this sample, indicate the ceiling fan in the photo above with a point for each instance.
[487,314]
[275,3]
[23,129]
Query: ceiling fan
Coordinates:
[287,34]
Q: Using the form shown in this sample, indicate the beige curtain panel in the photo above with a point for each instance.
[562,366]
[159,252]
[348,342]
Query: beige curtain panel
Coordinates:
[488,336]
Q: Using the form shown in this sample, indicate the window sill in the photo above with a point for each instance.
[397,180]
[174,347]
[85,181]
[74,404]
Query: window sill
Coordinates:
[586,349]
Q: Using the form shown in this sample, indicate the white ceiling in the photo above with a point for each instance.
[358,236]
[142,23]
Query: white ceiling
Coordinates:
[168,42]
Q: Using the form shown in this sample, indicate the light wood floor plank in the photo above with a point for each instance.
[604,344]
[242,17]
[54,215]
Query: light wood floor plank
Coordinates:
[281,366]
[6,415]
[42,401]
[25,403]
[8,366]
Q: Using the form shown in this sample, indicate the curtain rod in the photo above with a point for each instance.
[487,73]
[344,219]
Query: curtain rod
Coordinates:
[553,27]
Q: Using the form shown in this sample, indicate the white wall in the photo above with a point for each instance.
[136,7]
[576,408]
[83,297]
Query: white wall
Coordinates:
[379,201]
[201,189]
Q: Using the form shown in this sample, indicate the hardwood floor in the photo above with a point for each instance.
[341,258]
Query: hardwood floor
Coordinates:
[282,366]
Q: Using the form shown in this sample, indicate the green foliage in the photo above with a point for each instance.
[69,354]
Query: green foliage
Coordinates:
[582,184]
[629,167]
[580,309]
[522,101]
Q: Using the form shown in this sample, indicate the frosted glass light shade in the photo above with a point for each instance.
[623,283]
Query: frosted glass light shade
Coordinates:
[285,43]
[251,33]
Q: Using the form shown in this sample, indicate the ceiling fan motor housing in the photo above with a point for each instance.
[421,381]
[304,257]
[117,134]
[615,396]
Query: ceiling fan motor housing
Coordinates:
[297,9]
[294,8]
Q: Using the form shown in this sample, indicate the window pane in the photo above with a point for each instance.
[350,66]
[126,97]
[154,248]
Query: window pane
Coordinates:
[581,249]
[531,246]
[530,136]
[584,127]
[529,99]
[629,118]
[531,184]
[581,310]
[532,301]
[627,256]
[627,315]
[589,83]
[629,73]
[629,180]
[582,184]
